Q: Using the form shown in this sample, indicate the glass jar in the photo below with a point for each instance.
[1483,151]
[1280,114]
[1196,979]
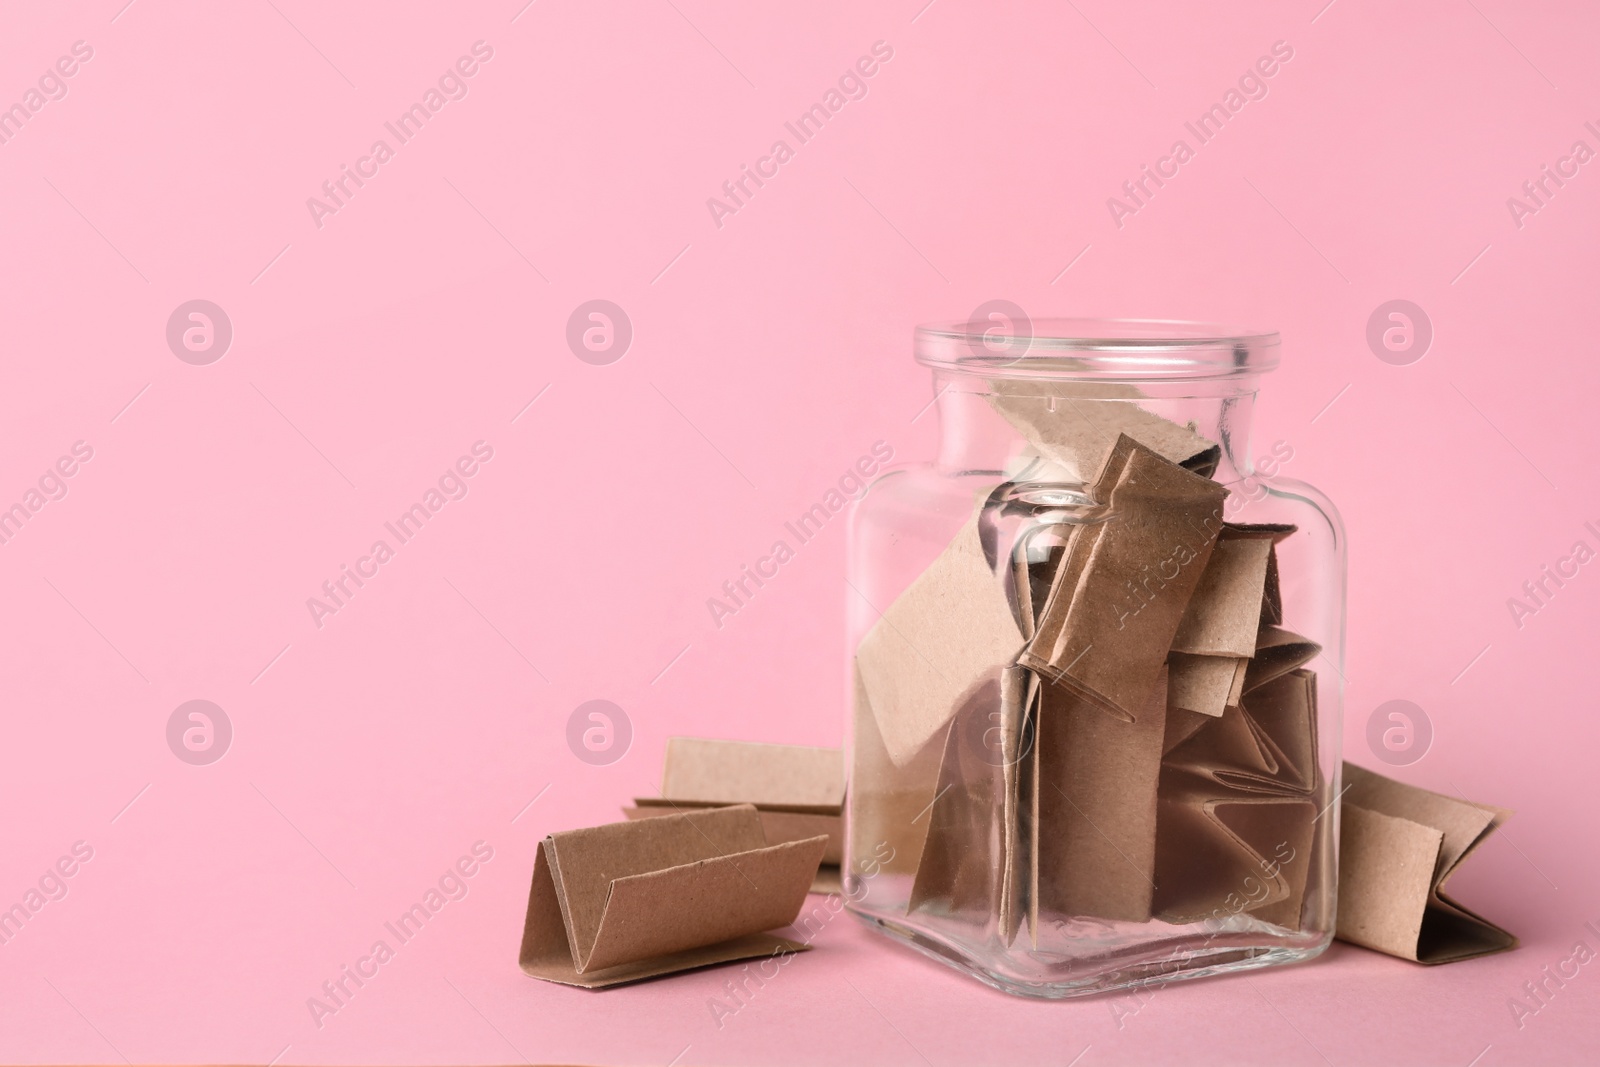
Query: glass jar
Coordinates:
[1095,661]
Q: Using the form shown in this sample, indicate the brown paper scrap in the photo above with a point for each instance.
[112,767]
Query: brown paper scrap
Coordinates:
[1272,594]
[1240,798]
[971,865]
[1225,611]
[1076,433]
[631,900]
[1241,671]
[1268,744]
[1229,751]
[1399,846]
[1218,856]
[889,805]
[1204,684]
[949,632]
[1022,583]
[828,879]
[1278,651]
[1019,702]
[1033,569]
[1218,633]
[1284,711]
[1182,724]
[1125,583]
[794,778]
[1096,779]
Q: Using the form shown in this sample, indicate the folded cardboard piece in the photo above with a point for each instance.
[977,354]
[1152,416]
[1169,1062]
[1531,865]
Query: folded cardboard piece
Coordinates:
[1125,583]
[1205,685]
[948,633]
[797,790]
[778,777]
[1154,731]
[1217,636]
[964,868]
[1076,434]
[1096,777]
[890,805]
[1399,846]
[1240,780]
[1278,651]
[631,900]
[1238,810]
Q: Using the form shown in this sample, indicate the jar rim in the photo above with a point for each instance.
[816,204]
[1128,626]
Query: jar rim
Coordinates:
[1013,346]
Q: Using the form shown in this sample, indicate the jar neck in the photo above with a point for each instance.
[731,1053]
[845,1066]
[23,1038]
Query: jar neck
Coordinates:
[975,434]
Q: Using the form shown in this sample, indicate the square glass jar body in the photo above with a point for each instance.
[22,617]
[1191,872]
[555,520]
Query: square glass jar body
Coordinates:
[1094,668]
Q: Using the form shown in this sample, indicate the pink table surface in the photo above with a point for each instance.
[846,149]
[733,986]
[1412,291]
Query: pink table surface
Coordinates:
[374,344]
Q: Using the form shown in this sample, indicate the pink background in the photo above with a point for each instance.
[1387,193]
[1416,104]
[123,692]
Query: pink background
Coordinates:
[768,354]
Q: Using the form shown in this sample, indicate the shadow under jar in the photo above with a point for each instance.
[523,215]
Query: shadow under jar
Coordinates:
[1095,658]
